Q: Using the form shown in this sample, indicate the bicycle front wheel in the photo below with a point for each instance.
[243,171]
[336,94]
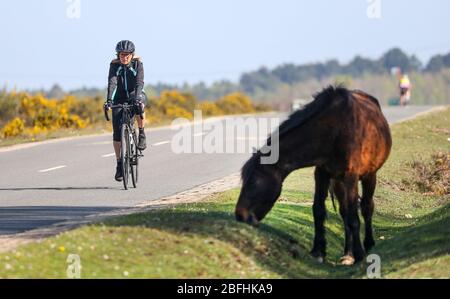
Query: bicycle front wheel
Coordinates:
[134,159]
[125,155]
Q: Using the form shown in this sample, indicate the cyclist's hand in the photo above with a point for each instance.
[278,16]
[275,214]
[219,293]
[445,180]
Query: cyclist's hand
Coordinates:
[108,104]
[139,106]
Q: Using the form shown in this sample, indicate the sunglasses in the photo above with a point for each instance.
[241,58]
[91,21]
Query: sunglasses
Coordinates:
[124,55]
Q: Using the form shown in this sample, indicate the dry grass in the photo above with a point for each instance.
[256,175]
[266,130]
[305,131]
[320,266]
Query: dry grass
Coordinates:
[432,177]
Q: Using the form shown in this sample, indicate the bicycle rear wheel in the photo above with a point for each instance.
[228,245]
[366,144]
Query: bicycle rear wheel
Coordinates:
[125,155]
[134,159]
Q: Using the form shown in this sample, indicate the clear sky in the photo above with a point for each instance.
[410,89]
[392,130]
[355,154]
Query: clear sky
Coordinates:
[193,40]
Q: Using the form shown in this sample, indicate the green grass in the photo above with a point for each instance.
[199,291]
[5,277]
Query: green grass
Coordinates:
[203,240]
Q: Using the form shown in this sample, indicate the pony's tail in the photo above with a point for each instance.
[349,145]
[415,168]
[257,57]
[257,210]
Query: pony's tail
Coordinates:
[333,194]
[332,200]
[331,190]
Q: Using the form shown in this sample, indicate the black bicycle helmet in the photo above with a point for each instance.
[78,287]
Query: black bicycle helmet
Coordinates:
[125,46]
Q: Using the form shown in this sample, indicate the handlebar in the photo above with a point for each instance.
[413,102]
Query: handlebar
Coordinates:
[106,109]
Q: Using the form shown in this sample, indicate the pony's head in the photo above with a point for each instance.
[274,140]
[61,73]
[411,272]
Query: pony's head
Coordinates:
[261,187]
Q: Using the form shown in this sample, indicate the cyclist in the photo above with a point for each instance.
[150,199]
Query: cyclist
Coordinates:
[405,89]
[126,84]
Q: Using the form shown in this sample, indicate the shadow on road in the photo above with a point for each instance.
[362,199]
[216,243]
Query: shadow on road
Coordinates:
[57,188]
[15,220]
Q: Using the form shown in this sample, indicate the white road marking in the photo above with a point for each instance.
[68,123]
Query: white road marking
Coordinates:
[53,168]
[161,143]
[94,143]
[199,134]
[108,155]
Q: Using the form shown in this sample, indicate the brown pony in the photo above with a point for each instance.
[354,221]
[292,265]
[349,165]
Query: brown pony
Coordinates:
[345,135]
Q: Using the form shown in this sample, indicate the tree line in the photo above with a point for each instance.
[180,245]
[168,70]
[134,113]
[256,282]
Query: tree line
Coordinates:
[265,82]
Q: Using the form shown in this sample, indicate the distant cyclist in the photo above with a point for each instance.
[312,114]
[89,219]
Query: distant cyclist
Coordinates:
[126,84]
[405,89]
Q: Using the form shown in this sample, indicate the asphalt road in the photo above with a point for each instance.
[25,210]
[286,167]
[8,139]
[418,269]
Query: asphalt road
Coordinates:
[65,179]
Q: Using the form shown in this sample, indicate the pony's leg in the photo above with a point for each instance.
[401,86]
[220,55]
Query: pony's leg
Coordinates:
[367,207]
[353,251]
[340,192]
[322,179]
[352,219]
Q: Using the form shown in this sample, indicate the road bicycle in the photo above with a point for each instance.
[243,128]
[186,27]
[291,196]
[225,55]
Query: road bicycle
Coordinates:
[129,152]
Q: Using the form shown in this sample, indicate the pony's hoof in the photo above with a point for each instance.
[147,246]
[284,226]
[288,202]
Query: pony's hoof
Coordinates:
[319,256]
[347,260]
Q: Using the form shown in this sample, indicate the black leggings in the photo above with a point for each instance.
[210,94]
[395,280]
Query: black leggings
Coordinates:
[117,123]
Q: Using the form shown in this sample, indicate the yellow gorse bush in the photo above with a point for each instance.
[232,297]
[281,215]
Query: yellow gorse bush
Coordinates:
[14,128]
[209,109]
[236,103]
[175,104]
[22,114]
[38,115]
[50,114]
[174,112]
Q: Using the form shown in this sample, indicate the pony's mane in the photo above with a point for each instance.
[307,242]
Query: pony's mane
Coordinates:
[321,101]
[373,99]
[249,167]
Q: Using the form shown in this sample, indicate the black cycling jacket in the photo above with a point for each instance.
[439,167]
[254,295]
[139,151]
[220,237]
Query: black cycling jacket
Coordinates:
[125,82]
